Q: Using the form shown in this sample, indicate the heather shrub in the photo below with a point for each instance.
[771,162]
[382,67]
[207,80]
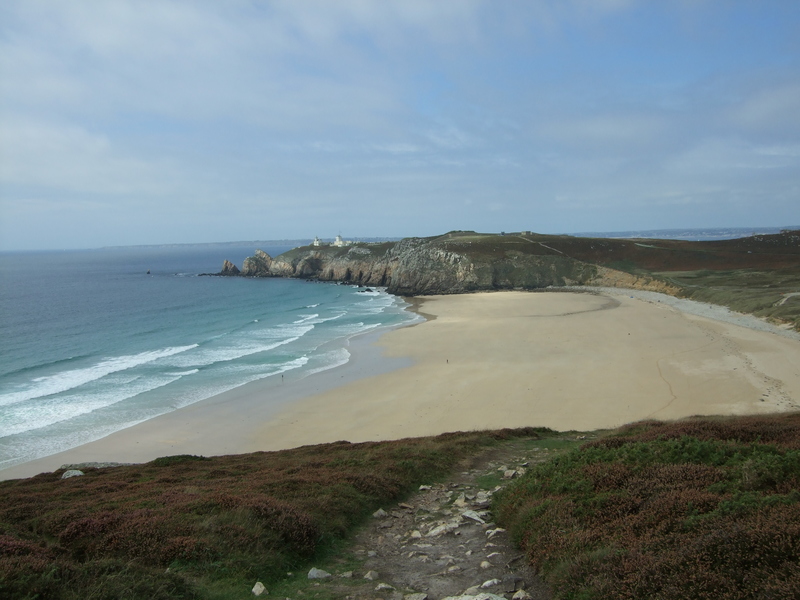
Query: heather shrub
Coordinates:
[179,526]
[695,509]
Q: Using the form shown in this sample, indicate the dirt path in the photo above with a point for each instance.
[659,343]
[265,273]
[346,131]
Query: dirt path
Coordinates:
[441,542]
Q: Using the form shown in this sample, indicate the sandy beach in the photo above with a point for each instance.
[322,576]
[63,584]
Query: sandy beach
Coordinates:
[569,361]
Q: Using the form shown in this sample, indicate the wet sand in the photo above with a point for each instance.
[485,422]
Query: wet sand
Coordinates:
[563,360]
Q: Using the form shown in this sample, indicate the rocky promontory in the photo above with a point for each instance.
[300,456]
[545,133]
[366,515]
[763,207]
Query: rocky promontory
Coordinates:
[758,274]
[449,264]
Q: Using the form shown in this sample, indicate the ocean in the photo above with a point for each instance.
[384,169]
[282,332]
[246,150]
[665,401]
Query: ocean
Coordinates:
[91,343]
[692,235]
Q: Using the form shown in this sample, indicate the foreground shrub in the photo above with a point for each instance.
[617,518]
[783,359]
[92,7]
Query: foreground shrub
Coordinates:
[695,509]
[175,526]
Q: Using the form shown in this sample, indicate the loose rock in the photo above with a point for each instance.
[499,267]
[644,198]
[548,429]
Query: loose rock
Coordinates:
[71,473]
[493,532]
[481,596]
[471,514]
[444,528]
[259,589]
[316,573]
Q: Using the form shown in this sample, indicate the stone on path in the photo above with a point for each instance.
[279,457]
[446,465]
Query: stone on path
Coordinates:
[443,528]
[371,575]
[471,514]
[493,532]
[481,596]
[259,588]
[316,573]
[380,513]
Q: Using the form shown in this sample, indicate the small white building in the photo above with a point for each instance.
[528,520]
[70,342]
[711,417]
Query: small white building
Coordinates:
[339,242]
[316,242]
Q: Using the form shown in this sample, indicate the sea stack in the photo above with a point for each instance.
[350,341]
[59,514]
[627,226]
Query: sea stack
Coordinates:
[228,268]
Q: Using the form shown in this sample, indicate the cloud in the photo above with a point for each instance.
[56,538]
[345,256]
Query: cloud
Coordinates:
[70,159]
[608,132]
[734,157]
[774,110]
[451,137]
[392,109]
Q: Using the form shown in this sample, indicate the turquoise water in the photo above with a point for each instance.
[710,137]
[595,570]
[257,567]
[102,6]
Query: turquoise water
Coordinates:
[90,343]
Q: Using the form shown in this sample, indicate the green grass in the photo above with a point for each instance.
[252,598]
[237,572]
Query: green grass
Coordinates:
[548,446]
[756,292]
[695,509]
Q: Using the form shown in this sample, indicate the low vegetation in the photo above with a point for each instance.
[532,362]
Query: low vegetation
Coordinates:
[702,508]
[194,527]
[774,295]
[759,275]
[694,509]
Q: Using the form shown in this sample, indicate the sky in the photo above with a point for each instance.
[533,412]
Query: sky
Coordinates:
[151,122]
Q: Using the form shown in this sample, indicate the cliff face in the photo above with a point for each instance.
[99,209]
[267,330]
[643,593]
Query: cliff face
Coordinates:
[257,265]
[757,274]
[228,268]
[417,266]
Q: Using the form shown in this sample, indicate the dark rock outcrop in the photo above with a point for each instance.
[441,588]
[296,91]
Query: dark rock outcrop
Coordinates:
[417,266]
[228,268]
[257,265]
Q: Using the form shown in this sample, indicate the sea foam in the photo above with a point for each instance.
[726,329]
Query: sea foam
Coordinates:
[68,380]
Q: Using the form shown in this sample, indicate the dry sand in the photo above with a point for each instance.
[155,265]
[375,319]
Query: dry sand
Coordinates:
[563,360]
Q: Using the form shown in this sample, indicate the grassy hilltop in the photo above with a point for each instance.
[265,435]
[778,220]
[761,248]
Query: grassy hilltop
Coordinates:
[753,275]
[758,274]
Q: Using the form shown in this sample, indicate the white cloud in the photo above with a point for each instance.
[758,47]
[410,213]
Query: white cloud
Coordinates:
[775,109]
[70,159]
[451,137]
[396,148]
[280,106]
[609,132]
[733,156]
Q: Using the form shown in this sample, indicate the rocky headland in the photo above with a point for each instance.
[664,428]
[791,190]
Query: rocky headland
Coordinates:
[759,275]
[455,263]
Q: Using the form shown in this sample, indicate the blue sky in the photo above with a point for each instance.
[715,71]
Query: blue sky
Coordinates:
[137,122]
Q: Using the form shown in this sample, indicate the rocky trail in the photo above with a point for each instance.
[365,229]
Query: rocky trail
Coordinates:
[441,543]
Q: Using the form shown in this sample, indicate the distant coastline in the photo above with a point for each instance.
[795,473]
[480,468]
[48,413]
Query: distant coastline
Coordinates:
[705,234]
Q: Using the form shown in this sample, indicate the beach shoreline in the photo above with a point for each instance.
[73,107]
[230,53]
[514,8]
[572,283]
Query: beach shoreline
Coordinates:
[235,410]
[565,360]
